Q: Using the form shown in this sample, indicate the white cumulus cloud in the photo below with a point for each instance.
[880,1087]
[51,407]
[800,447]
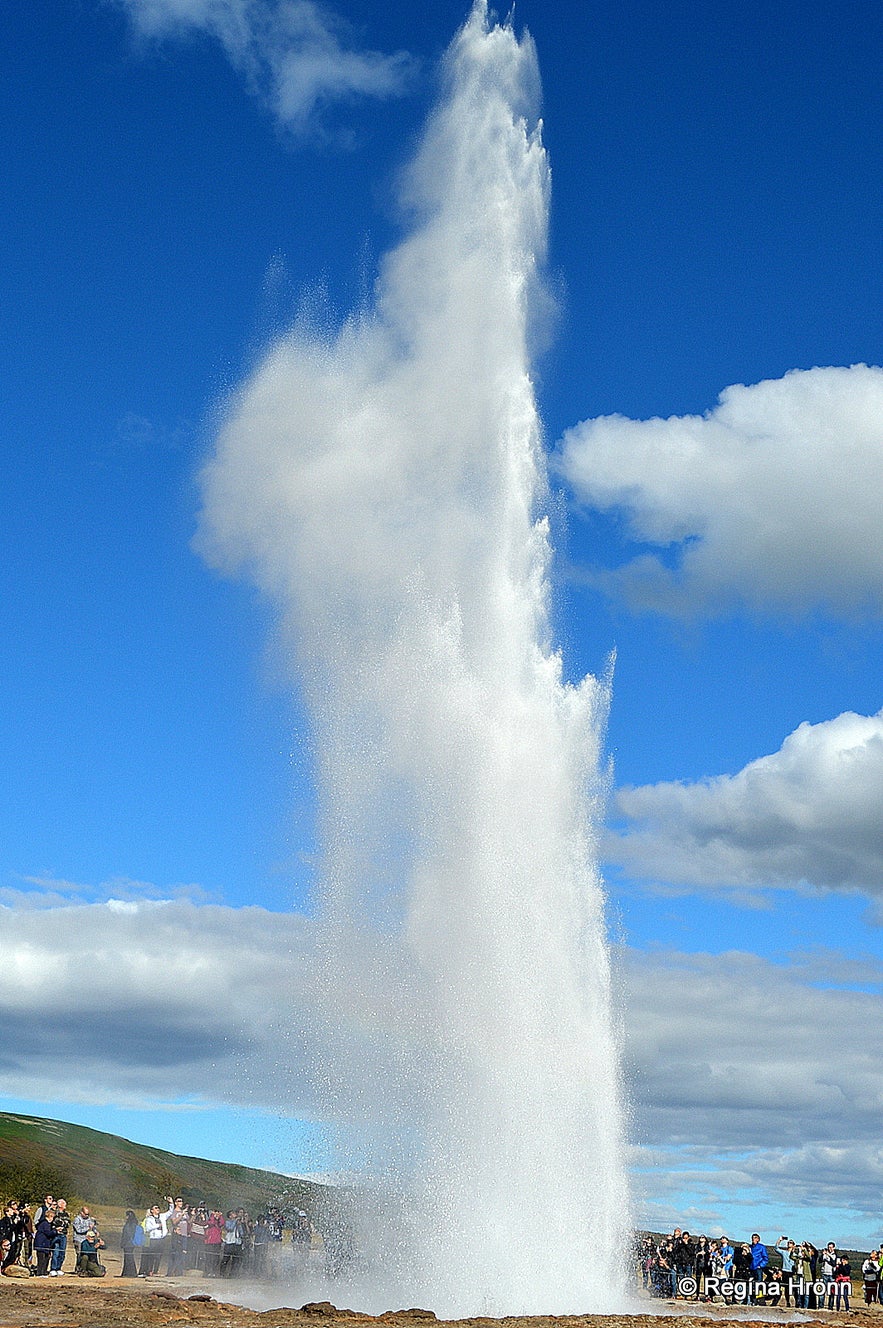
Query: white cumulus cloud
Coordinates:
[710,1066]
[756,1084]
[296,55]
[747,1076]
[771,500]
[124,999]
[807,814]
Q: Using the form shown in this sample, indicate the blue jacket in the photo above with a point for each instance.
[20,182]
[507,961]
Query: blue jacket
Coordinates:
[759,1256]
[44,1233]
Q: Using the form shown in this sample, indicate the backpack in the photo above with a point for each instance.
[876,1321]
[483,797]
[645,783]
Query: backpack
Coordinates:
[138,1235]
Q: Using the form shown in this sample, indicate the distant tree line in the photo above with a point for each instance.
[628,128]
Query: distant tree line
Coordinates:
[31,1180]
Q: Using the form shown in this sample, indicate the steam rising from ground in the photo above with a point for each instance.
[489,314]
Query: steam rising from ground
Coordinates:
[385,486]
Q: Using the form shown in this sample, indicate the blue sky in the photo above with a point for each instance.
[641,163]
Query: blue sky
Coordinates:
[716,220]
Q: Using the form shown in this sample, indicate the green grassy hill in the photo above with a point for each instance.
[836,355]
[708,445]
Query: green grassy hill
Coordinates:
[39,1156]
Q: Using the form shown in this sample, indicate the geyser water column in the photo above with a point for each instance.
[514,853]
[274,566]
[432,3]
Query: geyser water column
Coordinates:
[386,486]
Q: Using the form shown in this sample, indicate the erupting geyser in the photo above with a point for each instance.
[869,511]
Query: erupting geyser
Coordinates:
[386,485]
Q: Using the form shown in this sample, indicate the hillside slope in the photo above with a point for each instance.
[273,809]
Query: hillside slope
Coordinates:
[39,1155]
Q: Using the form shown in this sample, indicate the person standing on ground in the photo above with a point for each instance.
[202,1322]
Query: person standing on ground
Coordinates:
[827,1262]
[156,1229]
[21,1229]
[9,1228]
[660,1270]
[196,1237]
[674,1241]
[214,1232]
[788,1250]
[246,1228]
[760,1262]
[61,1224]
[645,1260]
[870,1276]
[261,1242]
[301,1240]
[127,1244]
[179,1230]
[701,1265]
[232,1240]
[44,1234]
[742,1272]
[803,1269]
[842,1282]
[18,1219]
[715,1265]
[682,1256]
[27,1235]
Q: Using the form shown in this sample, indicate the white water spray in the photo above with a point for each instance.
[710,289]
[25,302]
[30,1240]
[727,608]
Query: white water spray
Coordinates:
[386,486]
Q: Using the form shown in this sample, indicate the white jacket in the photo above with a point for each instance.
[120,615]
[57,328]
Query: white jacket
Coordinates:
[155,1227]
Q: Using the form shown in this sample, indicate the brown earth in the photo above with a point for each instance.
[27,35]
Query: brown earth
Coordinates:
[72,1302]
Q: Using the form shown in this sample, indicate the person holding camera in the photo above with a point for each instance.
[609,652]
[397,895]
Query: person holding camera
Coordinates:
[61,1224]
[88,1264]
[156,1231]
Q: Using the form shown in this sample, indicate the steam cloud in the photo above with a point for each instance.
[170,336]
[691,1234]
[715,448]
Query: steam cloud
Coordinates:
[385,485]
[296,55]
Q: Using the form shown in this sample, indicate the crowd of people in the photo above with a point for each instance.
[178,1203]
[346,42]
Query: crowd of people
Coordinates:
[175,1238]
[171,1239]
[707,1269]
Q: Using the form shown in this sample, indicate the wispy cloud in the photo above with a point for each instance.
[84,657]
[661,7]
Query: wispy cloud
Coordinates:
[808,814]
[46,891]
[137,433]
[771,500]
[297,56]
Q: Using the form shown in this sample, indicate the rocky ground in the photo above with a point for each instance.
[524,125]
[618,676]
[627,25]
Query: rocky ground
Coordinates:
[76,1303]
